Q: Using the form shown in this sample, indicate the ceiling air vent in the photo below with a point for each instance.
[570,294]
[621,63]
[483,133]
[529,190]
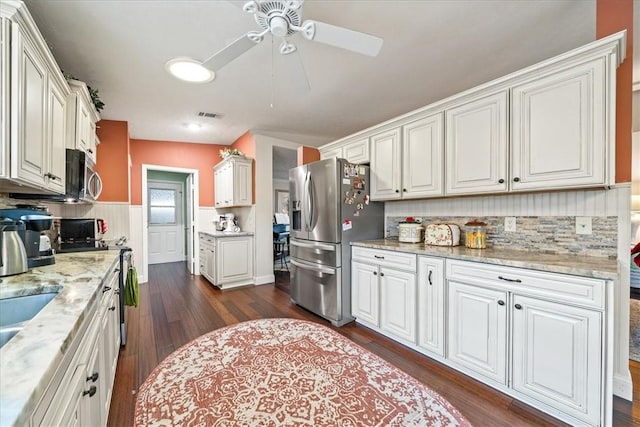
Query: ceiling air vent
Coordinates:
[209,115]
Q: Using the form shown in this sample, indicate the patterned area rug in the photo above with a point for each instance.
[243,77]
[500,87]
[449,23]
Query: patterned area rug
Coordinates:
[634,330]
[275,372]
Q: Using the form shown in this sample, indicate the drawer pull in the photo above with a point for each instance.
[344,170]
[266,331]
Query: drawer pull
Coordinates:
[93,378]
[106,289]
[506,279]
[378,256]
[429,277]
[92,390]
[381,274]
[112,308]
[500,302]
[375,273]
[518,307]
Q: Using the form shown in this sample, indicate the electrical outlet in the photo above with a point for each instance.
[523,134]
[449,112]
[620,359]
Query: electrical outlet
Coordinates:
[510,224]
[583,225]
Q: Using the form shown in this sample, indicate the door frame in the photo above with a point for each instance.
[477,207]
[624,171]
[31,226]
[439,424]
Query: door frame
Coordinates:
[192,209]
[180,187]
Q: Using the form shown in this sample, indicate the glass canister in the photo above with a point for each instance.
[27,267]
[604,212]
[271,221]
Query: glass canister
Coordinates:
[475,234]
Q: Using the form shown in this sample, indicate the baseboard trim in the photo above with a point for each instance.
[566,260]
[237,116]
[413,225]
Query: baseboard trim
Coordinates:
[263,280]
[623,386]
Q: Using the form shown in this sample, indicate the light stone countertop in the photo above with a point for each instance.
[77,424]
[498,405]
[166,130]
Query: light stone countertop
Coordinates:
[29,360]
[595,267]
[216,233]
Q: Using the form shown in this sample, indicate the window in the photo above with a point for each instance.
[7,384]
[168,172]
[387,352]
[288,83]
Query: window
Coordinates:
[162,206]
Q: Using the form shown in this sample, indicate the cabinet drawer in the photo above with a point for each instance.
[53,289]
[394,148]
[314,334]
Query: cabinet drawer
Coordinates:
[391,259]
[557,287]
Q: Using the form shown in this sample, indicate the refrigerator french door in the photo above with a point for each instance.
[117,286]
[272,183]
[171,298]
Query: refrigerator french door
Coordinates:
[330,207]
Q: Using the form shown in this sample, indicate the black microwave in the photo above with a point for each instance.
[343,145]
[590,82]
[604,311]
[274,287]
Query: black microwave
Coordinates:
[83,183]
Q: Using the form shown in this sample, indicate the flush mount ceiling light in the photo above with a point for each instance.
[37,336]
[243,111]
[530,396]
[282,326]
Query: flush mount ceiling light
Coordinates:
[194,127]
[189,70]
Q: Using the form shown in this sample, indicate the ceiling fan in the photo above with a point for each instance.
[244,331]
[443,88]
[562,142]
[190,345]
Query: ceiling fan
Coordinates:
[281,18]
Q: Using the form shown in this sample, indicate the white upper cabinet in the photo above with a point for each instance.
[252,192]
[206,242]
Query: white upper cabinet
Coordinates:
[33,99]
[355,151]
[81,120]
[476,145]
[550,126]
[422,157]
[385,165]
[558,129]
[233,182]
[406,162]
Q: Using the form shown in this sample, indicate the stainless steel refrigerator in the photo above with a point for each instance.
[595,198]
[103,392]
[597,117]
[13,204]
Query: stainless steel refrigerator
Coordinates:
[330,207]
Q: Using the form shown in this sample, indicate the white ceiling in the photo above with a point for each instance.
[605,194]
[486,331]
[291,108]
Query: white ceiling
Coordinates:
[432,49]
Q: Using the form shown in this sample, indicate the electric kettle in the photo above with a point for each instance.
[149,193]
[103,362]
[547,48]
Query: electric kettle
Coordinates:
[13,256]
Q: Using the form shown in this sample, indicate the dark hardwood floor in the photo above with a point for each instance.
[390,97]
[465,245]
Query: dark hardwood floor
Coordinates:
[176,307]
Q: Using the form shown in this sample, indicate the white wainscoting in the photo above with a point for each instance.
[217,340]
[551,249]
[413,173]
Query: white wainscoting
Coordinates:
[614,202]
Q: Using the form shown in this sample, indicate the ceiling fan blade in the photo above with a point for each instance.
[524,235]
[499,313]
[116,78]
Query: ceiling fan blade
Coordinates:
[344,38]
[229,53]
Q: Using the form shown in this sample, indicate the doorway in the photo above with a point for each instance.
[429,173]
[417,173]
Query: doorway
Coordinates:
[283,159]
[167,234]
[176,194]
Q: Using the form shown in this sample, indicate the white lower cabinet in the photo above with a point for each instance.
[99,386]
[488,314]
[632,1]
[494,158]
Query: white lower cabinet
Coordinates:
[383,291]
[364,293]
[557,355]
[80,392]
[478,330]
[398,303]
[227,260]
[537,336]
[431,297]
[555,342]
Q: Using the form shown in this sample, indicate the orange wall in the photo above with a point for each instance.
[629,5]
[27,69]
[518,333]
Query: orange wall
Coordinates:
[307,155]
[113,160]
[247,145]
[175,154]
[613,16]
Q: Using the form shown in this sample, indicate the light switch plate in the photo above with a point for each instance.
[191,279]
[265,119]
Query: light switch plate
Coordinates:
[510,224]
[583,225]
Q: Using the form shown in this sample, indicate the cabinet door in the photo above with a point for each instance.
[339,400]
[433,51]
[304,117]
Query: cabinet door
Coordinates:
[398,303]
[57,137]
[5,98]
[242,185]
[29,101]
[422,158]
[234,259]
[83,126]
[559,129]
[557,356]
[112,346]
[331,153]
[357,151]
[211,264]
[431,304]
[92,402]
[385,165]
[365,293]
[478,329]
[476,146]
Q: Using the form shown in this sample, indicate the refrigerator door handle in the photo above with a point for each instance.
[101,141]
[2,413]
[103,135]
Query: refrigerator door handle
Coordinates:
[314,268]
[313,245]
[306,197]
[312,205]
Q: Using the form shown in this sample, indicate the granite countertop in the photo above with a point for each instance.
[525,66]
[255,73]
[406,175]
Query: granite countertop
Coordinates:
[216,233]
[29,360]
[599,268]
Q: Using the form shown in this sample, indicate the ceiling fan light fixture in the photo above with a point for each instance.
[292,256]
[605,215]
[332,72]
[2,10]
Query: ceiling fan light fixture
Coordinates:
[278,26]
[189,70]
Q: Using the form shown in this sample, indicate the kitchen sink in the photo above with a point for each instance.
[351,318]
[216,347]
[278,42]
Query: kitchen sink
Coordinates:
[16,312]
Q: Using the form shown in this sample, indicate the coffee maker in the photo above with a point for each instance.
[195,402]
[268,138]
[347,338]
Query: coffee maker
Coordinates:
[35,222]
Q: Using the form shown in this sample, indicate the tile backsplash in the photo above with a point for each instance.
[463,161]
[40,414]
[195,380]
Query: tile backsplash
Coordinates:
[546,234]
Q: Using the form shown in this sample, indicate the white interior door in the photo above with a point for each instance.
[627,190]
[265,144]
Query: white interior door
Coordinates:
[166,222]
